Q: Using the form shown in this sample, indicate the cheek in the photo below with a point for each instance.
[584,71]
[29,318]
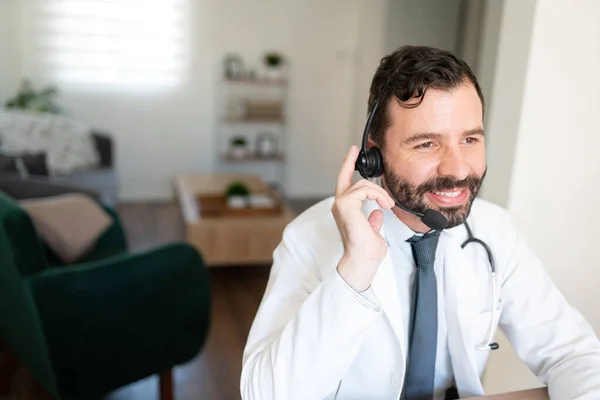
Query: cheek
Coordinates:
[419,170]
[477,160]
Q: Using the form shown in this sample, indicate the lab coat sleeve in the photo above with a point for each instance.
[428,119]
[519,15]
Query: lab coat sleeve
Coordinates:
[547,333]
[307,331]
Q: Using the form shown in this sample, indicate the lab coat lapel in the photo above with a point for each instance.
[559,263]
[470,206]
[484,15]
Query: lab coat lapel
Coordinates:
[461,299]
[385,287]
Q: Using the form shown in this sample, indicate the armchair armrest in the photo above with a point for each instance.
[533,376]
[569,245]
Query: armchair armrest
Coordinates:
[123,318]
[114,240]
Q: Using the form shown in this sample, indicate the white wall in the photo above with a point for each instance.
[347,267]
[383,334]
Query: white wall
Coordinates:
[370,48]
[10,44]
[334,48]
[469,30]
[508,82]
[487,57]
[556,165]
[384,26]
[161,133]
[424,22]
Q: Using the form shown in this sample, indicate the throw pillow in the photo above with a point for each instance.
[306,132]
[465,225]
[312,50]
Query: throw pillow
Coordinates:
[70,223]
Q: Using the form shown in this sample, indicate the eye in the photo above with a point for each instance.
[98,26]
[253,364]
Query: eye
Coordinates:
[471,140]
[426,145]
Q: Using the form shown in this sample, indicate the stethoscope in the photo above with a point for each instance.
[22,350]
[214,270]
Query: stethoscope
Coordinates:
[471,239]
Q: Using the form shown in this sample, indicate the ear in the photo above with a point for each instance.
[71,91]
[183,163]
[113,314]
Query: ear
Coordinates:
[371,143]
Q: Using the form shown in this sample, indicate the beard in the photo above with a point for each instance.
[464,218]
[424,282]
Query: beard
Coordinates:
[413,196]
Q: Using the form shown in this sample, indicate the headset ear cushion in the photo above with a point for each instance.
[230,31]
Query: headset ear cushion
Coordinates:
[374,162]
[361,164]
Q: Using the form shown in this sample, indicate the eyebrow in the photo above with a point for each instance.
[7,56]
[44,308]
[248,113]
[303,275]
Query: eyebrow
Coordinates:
[433,135]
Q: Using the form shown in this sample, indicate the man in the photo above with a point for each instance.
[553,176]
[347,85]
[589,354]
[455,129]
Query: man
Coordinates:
[371,297]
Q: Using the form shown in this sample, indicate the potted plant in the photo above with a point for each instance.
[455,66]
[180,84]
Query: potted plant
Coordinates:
[239,147]
[28,98]
[238,195]
[273,65]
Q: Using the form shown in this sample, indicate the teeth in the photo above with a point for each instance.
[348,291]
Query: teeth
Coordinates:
[449,194]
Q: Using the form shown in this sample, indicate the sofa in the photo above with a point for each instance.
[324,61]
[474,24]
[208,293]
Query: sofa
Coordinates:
[110,319]
[102,180]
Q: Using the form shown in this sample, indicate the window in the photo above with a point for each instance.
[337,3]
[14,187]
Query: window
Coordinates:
[122,43]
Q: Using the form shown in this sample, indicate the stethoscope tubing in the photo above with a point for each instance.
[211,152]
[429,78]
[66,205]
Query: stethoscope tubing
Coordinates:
[471,239]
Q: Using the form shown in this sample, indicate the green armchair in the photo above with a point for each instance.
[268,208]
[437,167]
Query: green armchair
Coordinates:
[114,318]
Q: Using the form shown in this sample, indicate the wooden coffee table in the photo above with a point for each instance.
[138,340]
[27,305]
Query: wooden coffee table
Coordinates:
[229,240]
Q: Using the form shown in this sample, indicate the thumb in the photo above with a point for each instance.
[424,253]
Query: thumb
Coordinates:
[376,220]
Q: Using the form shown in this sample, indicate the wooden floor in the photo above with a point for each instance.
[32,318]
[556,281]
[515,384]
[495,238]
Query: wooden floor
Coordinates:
[236,294]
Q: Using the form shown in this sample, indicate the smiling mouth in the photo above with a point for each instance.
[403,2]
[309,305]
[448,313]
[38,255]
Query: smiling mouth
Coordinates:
[449,194]
[454,197]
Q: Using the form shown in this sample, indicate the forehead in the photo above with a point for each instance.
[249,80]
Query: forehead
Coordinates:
[442,111]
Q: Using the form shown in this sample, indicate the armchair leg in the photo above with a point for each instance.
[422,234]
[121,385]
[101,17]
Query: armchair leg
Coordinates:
[166,385]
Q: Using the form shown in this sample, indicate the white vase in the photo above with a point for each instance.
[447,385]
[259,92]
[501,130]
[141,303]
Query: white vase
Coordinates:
[273,73]
[238,152]
[237,201]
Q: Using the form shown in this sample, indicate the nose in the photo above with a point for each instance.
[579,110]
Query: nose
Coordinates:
[454,164]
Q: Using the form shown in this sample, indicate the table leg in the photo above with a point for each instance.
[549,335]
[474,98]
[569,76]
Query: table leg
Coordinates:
[166,385]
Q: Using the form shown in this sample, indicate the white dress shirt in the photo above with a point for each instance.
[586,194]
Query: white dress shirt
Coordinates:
[396,234]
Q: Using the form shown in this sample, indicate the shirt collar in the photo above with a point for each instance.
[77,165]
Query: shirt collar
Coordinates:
[395,229]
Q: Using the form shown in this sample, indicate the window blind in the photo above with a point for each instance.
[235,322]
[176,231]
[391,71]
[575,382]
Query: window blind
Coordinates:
[109,42]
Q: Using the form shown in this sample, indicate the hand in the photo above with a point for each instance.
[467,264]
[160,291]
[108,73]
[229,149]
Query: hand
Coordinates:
[364,247]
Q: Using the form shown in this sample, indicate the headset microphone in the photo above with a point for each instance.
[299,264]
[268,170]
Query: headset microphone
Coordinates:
[370,165]
[432,218]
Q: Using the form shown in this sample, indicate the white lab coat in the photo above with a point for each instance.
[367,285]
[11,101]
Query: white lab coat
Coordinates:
[313,338]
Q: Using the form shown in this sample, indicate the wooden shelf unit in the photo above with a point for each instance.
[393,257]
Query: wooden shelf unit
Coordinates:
[258,81]
[254,120]
[257,110]
[252,158]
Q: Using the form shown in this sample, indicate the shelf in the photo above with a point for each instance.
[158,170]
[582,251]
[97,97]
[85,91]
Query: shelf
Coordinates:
[257,81]
[252,158]
[254,120]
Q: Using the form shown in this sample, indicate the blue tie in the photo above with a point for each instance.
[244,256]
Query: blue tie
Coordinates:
[420,374]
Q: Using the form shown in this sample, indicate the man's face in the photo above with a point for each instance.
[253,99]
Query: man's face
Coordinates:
[434,154]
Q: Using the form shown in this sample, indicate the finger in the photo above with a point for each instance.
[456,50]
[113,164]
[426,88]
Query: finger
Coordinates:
[347,171]
[366,183]
[368,192]
[376,220]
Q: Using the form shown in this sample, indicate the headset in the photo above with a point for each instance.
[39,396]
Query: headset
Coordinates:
[370,165]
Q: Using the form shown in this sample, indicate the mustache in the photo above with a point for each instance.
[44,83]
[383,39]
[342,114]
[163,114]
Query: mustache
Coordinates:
[439,184]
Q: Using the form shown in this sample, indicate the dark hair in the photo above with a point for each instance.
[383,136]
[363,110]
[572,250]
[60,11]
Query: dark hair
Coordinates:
[407,73]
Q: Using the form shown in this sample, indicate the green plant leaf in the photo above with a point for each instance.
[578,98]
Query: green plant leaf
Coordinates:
[237,188]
